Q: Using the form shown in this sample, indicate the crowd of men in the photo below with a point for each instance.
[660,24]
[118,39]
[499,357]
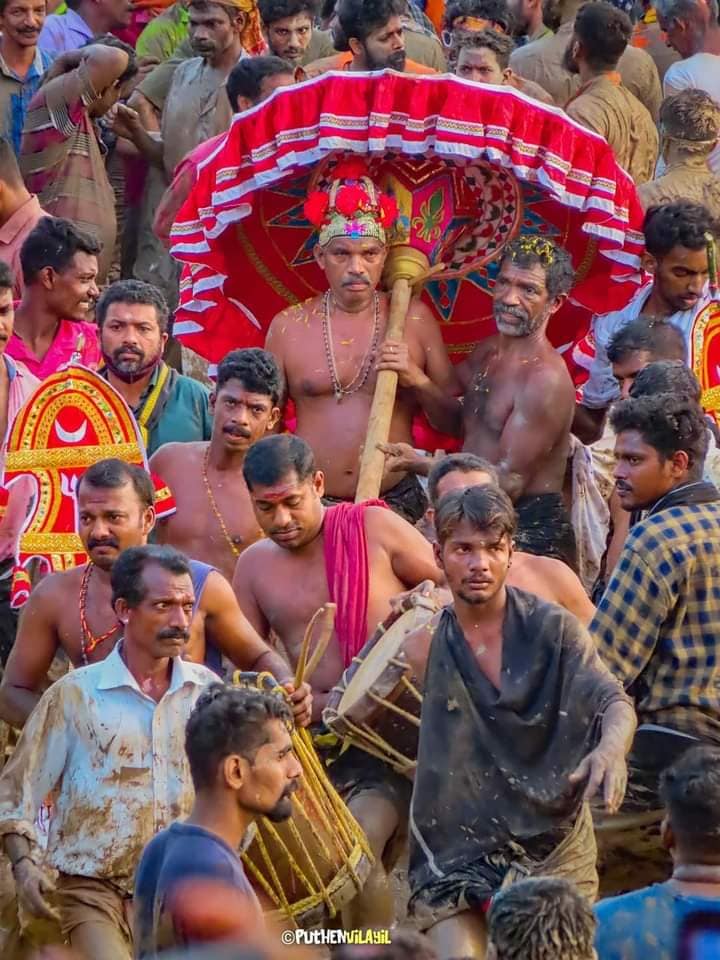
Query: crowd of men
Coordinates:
[557,694]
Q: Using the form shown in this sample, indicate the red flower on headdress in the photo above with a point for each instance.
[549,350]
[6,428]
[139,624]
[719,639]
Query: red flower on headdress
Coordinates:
[315,207]
[388,210]
[351,169]
[350,200]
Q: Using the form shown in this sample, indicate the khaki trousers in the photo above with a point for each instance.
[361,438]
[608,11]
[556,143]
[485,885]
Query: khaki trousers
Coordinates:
[95,917]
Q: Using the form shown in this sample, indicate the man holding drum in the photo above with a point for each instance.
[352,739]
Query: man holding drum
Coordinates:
[358,556]
[521,724]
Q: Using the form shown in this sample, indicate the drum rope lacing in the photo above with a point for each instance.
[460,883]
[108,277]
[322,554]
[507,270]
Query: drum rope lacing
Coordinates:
[333,816]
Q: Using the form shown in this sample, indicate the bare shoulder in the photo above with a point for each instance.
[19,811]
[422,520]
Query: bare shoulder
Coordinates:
[548,372]
[176,454]
[217,590]
[55,588]
[482,350]
[256,558]
[419,313]
[296,313]
[384,524]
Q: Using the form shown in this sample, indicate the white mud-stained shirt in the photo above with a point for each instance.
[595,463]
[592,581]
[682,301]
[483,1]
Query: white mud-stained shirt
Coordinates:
[114,761]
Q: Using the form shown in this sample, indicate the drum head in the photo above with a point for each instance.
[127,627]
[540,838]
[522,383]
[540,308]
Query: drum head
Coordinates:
[375,672]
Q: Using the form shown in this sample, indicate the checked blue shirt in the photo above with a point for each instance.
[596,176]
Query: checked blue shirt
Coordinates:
[16,94]
[657,625]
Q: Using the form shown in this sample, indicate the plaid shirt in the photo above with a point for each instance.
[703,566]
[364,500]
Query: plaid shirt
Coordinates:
[658,623]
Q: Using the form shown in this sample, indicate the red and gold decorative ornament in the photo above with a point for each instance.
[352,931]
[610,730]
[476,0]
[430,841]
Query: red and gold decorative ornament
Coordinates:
[353,207]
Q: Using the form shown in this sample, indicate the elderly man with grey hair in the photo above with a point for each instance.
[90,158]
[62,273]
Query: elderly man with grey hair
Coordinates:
[692,28]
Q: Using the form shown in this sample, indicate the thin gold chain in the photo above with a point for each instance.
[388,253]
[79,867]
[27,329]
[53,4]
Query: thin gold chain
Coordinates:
[218,516]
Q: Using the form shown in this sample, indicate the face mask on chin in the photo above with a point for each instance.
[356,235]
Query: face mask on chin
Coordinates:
[131,376]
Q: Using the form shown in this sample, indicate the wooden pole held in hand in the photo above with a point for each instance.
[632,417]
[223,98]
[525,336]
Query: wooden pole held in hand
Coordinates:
[372,463]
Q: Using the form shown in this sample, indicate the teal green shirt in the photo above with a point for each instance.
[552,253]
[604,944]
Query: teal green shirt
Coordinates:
[186,416]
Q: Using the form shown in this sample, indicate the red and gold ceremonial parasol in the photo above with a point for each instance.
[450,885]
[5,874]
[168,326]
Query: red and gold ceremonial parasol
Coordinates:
[471,167]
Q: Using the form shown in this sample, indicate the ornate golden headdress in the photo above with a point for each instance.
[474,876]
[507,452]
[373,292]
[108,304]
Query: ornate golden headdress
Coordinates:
[352,207]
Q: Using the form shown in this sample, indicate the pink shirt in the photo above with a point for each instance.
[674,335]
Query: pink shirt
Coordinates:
[22,384]
[12,236]
[73,337]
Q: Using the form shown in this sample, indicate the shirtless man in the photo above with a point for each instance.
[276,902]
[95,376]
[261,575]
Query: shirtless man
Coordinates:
[359,556]
[72,610]
[330,347]
[519,399]
[215,521]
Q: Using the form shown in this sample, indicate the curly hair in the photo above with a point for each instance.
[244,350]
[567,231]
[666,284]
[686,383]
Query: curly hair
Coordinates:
[542,918]
[531,251]
[666,422]
[499,43]
[229,720]
[678,224]
[667,376]
[256,369]
[484,508]
[692,119]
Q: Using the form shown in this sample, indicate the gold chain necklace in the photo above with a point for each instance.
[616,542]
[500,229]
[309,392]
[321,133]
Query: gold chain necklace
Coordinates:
[363,371]
[218,516]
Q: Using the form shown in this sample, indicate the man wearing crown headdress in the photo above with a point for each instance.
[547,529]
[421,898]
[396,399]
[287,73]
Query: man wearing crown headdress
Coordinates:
[519,399]
[331,347]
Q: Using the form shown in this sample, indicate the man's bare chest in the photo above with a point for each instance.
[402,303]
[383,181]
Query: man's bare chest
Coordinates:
[490,397]
[292,594]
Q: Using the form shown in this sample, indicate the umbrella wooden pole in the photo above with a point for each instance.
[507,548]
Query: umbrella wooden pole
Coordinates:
[372,463]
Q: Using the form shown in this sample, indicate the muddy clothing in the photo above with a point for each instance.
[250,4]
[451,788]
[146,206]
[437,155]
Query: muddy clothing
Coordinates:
[574,859]
[491,786]
[684,180]
[196,109]
[95,917]
[115,761]
[542,61]
[605,106]
[544,528]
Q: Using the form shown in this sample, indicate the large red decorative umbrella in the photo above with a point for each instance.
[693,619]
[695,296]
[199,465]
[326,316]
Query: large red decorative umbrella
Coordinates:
[471,166]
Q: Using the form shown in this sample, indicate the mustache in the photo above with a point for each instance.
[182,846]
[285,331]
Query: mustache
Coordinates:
[105,542]
[352,282]
[174,633]
[237,432]
[276,530]
[517,312]
[290,789]
[128,349]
